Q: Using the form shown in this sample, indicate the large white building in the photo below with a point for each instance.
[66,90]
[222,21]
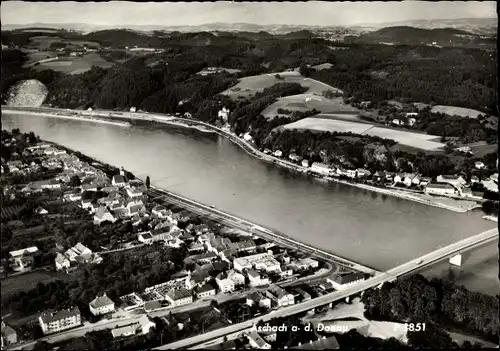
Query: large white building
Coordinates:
[321,168]
[101,305]
[340,282]
[58,321]
[263,261]
[440,189]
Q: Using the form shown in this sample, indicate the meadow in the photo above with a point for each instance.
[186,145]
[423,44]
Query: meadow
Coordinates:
[414,140]
[75,65]
[312,99]
[456,111]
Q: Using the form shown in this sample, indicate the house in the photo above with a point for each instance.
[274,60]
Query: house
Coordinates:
[119,181]
[89,187]
[342,281]
[259,299]
[81,253]
[134,192]
[474,179]
[351,173]
[102,215]
[196,247]
[267,151]
[61,320]
[225,283]
[224,114]
[456,180]
[424,181]
[145,237]
[21,260]
[255,278]
[237,278]
[408,179]
[206,257]
[411,121]
[101,305]
[305,263]
[396,122]
[294,157]
[9,335]
[278,153]
[247,137]
[205,290]
[439,189]
[197,279]
[321,168]
[411,114]
[256,340]
[398,178]
[62,262]
[281,296]
[144,325]
[305,163]
[41,211]
[341,171]
[479,165]
[179,297]
[363,173]
[86,204]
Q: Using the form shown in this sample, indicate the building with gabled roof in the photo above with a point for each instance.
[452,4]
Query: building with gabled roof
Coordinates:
[179,297]
[101,305]
[102,215]
[61,320]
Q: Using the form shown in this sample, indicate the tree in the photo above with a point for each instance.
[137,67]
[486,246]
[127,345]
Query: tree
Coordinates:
[75,181]
[147,182]
[304,70]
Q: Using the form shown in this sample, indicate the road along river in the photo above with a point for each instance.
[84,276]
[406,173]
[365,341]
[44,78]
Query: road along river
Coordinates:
[375,230]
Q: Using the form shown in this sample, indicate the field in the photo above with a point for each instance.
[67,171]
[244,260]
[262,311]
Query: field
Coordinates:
[42,55]
[249,86]
[27,281]
[43,42]
[75,65]
[414,140]
[456,111]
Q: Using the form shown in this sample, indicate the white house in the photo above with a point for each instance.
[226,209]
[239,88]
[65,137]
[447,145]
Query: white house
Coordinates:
[351,173]
[440,189]
[62,262]
[118,180]
[179,297]
[305,163]
[340,282]
[134,192]
[23,259]
[321,168]
[255,278]
[479,165]
[102,215]
[455,180]
[205,290]
[278,153]
[58,321]
[225,283]
[281,296]
[224,114]
[101,305]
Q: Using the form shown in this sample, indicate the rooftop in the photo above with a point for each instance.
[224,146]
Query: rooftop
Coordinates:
[55,316]
[101,301]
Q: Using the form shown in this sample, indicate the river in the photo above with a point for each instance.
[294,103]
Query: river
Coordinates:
[373,229]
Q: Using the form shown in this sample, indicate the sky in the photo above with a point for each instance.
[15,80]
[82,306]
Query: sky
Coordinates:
[196,13]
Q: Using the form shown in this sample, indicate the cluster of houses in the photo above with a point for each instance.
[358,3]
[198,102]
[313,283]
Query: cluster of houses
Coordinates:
[22,260]
[445,185]
[78,254]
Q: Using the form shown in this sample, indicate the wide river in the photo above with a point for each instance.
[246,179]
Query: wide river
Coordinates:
[373,229]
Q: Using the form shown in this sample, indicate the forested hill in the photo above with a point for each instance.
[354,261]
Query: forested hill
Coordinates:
[446,76]
[402,35]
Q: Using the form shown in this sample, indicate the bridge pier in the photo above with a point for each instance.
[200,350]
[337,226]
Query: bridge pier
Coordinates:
[456,260]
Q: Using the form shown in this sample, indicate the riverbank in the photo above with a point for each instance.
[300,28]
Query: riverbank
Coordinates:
[459,206]
[64,116]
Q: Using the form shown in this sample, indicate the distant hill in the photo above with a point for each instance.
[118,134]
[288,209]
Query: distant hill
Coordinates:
[480,26]
[404,35]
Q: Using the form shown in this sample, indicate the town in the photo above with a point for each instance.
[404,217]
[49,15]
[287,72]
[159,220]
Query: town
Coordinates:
[218,267]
